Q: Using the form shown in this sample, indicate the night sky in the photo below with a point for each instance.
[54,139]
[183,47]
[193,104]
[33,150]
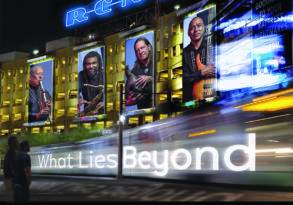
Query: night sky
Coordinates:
[29,24]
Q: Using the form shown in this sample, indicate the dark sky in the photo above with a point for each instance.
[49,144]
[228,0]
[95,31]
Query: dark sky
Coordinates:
[29,24]
[25,24]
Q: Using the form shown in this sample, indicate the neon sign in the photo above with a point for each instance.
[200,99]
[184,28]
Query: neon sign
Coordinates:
[82,15]
[156,162]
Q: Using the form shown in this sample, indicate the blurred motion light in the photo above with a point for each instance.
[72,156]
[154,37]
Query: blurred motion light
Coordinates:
[207,132]
[122,118]
[283,150]
[273,102]
[278,103]
[35,51]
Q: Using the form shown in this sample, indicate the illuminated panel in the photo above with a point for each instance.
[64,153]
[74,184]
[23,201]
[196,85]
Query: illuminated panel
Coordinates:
[47,129]
[81,15]
[17,130]
[40,99]
[5,131]
[60,127]
[139,71]
[35,130]
[91,93]
[73,126]
[163,116]
[198,36]
[149,119]
[252,63]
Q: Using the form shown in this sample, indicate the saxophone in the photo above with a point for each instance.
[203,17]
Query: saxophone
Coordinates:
[95,104]
[44,103]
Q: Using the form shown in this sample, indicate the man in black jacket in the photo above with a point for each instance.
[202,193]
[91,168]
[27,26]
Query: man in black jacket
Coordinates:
[194,56]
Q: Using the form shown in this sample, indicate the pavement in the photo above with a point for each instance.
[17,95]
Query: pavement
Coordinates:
[91,189]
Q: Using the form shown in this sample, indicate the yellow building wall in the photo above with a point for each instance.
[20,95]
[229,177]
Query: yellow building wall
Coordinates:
[168,56]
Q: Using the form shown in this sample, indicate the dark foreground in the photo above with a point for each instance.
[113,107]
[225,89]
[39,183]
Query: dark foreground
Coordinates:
[76,189]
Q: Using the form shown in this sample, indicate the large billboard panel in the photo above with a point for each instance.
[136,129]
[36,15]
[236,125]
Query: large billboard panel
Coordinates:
[199,71]
[91,82]
[255,52]
[139,72]
[40,101]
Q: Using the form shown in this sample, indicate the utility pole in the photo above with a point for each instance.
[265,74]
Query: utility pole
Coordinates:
[120,136]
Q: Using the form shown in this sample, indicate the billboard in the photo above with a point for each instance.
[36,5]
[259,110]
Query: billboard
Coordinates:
[40,101]
[139,72]
[255,52]
[91,82]
[199,71]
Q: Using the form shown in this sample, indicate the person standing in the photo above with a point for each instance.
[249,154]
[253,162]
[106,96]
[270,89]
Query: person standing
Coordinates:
[22,179]
[9,165]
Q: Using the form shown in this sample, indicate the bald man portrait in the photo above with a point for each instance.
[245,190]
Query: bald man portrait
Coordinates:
[195,66]
[39,98]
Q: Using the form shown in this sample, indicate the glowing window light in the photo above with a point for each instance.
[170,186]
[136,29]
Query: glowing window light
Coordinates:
[5,131]
[17,116]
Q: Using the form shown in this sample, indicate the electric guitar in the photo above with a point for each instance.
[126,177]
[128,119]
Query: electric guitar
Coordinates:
[204,88]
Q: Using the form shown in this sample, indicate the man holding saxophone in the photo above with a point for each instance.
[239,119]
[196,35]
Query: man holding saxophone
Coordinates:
[39,98]
[91,85]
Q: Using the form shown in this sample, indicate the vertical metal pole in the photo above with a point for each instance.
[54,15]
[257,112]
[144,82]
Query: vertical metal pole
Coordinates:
[120,137]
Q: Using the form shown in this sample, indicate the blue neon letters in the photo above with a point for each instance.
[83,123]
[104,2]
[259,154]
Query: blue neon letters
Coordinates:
[81,14]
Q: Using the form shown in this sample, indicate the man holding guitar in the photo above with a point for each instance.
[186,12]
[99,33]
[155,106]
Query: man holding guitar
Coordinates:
[198,74]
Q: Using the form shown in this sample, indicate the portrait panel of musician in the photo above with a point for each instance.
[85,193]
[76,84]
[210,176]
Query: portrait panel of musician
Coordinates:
[40,100]
[139,72]
[91,80]
[199,71]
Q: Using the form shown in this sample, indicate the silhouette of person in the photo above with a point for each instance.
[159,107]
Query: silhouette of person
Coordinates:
[10,165]
[22,179]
